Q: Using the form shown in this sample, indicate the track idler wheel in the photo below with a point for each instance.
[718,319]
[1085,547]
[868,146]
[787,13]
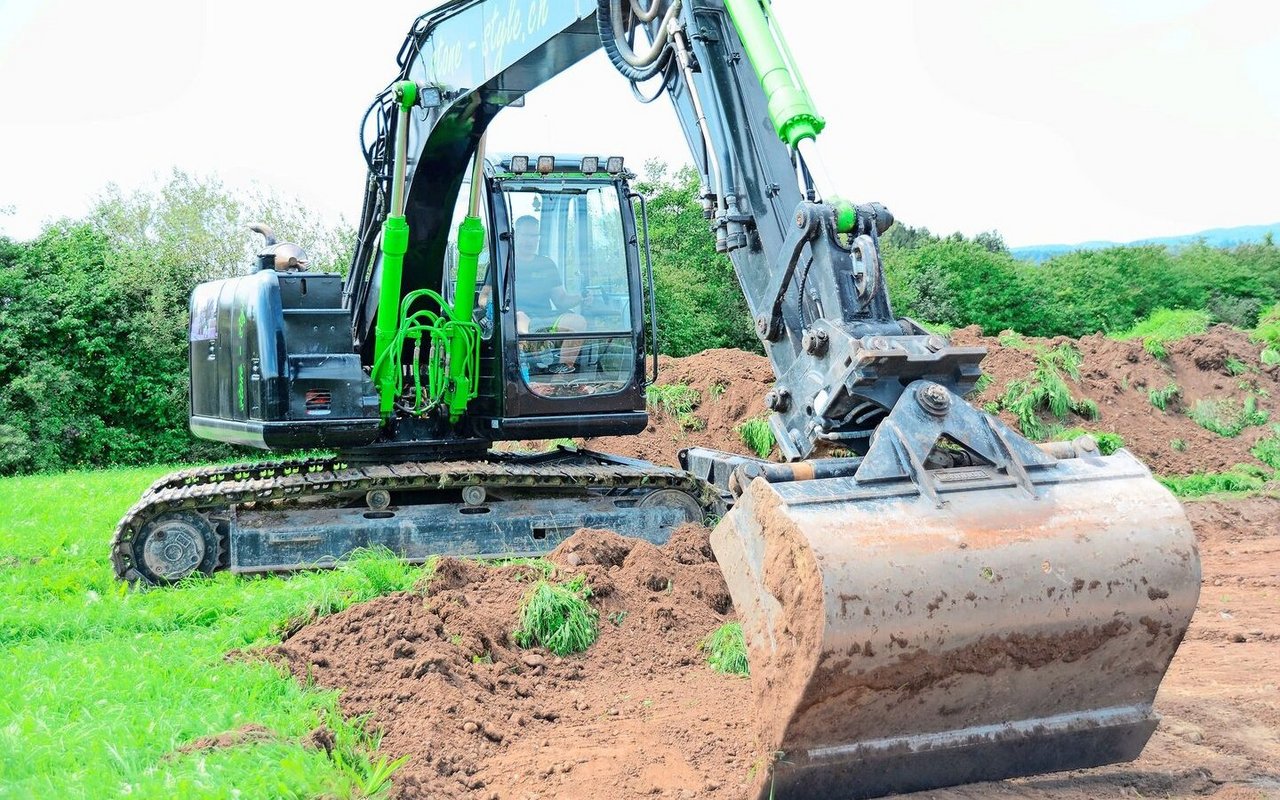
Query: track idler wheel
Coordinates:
[173,546]
[674,498]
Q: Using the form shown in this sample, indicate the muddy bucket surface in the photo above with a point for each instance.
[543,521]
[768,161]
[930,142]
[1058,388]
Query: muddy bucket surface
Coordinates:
[896,645]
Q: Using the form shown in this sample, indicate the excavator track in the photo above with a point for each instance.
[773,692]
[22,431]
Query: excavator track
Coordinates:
[221,493]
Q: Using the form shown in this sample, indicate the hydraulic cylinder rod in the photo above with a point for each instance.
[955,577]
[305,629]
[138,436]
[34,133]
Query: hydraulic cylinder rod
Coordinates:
[395,243]
[470,246]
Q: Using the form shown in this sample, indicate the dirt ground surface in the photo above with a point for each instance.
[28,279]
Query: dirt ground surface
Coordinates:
[1220,700]
[641,715]
[732,385]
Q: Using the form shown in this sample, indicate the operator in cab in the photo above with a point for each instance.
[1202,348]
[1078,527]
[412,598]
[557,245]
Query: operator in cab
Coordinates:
[543,304]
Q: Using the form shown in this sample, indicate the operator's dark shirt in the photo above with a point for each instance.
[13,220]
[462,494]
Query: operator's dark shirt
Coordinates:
[536,282]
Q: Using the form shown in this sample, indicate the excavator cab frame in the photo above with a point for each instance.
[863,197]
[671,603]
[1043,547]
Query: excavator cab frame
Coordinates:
[587,229]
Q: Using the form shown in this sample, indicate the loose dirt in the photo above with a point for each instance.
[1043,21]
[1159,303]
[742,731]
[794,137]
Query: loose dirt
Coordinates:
[731,384]
[640,715]
[1119,375]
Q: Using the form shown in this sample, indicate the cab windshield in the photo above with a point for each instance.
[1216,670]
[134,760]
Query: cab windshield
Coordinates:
[572,299]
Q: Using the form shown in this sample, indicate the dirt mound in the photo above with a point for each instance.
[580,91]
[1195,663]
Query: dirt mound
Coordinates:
[639,712]
[1118,376]
[1221,364]
[640,715]
[731,385]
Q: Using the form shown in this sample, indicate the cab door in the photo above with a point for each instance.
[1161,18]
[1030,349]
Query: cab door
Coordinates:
[572,317]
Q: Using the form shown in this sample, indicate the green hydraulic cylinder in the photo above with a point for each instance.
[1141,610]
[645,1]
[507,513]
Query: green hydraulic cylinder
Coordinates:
[395,243]
[792,111]
[470,245]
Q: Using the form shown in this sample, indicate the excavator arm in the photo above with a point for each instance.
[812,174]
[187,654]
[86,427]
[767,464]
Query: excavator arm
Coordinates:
[951,602]
[810,270]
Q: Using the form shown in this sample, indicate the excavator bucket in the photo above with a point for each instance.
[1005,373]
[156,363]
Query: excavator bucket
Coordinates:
[910,628]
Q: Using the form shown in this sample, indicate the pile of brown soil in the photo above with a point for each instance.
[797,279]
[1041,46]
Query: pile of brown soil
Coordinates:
[1118,376]
[731,385]
[639,714]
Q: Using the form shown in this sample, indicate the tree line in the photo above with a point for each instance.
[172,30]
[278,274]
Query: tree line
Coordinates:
[93,311]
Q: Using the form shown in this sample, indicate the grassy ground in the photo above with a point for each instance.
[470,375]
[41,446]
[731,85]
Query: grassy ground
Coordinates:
[103,687]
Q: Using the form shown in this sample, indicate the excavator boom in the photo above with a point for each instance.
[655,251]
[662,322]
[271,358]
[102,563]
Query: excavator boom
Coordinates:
[946,602]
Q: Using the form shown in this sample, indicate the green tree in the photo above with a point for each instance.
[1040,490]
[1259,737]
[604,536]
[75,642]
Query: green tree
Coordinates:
[700,305]
[93,333]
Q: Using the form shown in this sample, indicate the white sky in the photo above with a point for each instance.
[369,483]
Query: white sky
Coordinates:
[1052,122]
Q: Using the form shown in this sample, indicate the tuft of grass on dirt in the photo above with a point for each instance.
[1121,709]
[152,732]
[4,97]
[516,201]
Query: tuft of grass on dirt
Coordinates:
[1227,416]
[1161,398]
[1108,442]
[1046,390]
[676,400]
[1267,450]
[558,617]
[1012,340]
[104,686]
[1240,478]
[757,435]
[1166,325]
[672,399]
[726,649]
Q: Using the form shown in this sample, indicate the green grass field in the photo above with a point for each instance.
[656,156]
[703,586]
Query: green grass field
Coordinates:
[102,687]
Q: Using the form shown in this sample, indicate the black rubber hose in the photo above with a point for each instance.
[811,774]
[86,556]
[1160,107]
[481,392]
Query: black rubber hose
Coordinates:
[604,24]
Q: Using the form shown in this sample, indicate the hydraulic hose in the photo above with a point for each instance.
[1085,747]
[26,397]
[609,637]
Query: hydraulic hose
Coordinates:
[613,35]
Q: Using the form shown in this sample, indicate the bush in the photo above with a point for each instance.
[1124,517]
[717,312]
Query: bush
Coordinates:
[700,304]
[93,335]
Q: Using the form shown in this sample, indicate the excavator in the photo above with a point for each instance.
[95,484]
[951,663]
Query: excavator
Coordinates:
[944,602]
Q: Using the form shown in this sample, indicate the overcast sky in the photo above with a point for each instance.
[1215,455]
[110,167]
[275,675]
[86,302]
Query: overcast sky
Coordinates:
[1051,122]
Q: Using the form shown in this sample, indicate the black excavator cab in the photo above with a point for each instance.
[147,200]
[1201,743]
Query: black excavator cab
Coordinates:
[560,303]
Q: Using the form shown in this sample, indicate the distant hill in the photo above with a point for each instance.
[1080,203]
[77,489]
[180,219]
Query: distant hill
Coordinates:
[1214,237]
